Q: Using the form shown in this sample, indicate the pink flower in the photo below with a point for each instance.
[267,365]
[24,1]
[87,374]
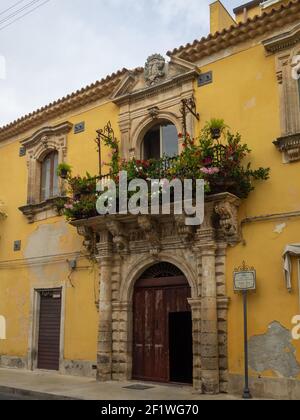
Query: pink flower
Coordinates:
[210,171]
[69,206]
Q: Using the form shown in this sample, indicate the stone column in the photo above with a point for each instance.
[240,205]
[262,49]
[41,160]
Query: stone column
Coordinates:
[209,322]
[104,350]
[196,319]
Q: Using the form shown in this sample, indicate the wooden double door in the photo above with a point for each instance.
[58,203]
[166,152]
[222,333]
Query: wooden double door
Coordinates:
[162,330]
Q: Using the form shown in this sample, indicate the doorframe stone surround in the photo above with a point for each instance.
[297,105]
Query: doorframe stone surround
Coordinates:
[128,245]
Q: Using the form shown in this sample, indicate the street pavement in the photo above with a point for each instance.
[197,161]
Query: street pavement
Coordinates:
[10,397]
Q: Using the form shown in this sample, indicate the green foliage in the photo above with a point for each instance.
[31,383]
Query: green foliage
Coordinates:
[64,170]
[113,144]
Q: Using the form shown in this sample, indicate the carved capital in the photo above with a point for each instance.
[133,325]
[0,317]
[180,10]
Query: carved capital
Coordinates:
[104,246]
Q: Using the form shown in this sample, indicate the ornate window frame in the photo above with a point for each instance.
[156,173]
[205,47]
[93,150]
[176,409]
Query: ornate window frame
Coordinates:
[286,46]
[38,146]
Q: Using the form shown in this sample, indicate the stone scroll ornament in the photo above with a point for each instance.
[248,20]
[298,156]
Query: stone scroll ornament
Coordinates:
[155,69]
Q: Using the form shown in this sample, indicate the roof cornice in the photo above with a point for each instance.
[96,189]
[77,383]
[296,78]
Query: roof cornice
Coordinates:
[89,94]
[283,41]
[252,28]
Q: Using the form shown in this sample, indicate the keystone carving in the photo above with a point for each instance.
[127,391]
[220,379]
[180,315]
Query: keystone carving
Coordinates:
[154,112]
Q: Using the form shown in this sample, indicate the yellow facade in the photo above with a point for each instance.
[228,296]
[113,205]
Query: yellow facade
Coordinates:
[219,17]
[245,93]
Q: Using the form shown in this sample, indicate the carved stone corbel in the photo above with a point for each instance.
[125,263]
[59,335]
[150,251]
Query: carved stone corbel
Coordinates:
[227,211]
[151,231]
[185,232]
[89,238]
[119,235]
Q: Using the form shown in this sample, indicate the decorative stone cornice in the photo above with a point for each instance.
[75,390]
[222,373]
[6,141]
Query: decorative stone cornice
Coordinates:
[283,41]
[290,147]
[44,135]
[158,88]
[145,233]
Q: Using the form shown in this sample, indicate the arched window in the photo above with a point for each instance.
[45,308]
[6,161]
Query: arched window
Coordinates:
[49,178]
[161,140]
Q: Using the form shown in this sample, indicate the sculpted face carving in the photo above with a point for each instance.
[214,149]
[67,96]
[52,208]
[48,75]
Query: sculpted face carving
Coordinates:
[155,69]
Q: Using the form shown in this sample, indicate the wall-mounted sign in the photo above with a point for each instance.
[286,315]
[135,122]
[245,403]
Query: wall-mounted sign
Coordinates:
[244,278]
[245,281]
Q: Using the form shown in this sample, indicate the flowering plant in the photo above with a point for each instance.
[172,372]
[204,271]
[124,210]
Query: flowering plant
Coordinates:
[219,161]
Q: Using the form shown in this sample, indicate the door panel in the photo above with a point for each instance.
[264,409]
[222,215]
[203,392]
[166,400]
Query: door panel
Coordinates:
[151,307]
[49,330]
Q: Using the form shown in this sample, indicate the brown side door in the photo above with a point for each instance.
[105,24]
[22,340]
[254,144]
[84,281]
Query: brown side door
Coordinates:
[49,330]
[153,302]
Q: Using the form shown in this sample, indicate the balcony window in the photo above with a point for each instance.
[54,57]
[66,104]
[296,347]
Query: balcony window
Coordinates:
[49,178]
[161,140]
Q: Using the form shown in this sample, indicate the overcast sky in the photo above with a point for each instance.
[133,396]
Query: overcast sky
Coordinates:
[67,44]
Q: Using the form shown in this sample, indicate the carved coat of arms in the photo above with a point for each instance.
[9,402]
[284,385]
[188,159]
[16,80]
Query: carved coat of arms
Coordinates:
[155,69]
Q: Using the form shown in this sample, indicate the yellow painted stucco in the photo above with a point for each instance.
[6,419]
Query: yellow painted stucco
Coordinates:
[17,279]
[245,94]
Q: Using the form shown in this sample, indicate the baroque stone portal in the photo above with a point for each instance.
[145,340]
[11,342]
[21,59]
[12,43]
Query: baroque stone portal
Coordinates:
[127,246]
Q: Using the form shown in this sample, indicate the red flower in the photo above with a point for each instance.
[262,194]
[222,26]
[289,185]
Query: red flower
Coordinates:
[180,135]
[207,161]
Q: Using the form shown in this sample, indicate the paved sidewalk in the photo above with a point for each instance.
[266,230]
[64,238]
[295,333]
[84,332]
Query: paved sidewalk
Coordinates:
[44,385]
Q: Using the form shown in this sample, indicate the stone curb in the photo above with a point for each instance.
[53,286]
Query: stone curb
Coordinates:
[19,392]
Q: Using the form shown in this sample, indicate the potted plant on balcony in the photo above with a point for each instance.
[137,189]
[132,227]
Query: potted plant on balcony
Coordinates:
[216,127]
[64,170]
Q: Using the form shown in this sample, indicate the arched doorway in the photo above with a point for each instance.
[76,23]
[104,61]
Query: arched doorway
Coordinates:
[162,326]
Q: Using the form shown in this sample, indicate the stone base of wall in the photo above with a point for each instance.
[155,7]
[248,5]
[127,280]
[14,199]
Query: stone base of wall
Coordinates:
[79,368]
[273,388]
[13,362]
[69,367]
